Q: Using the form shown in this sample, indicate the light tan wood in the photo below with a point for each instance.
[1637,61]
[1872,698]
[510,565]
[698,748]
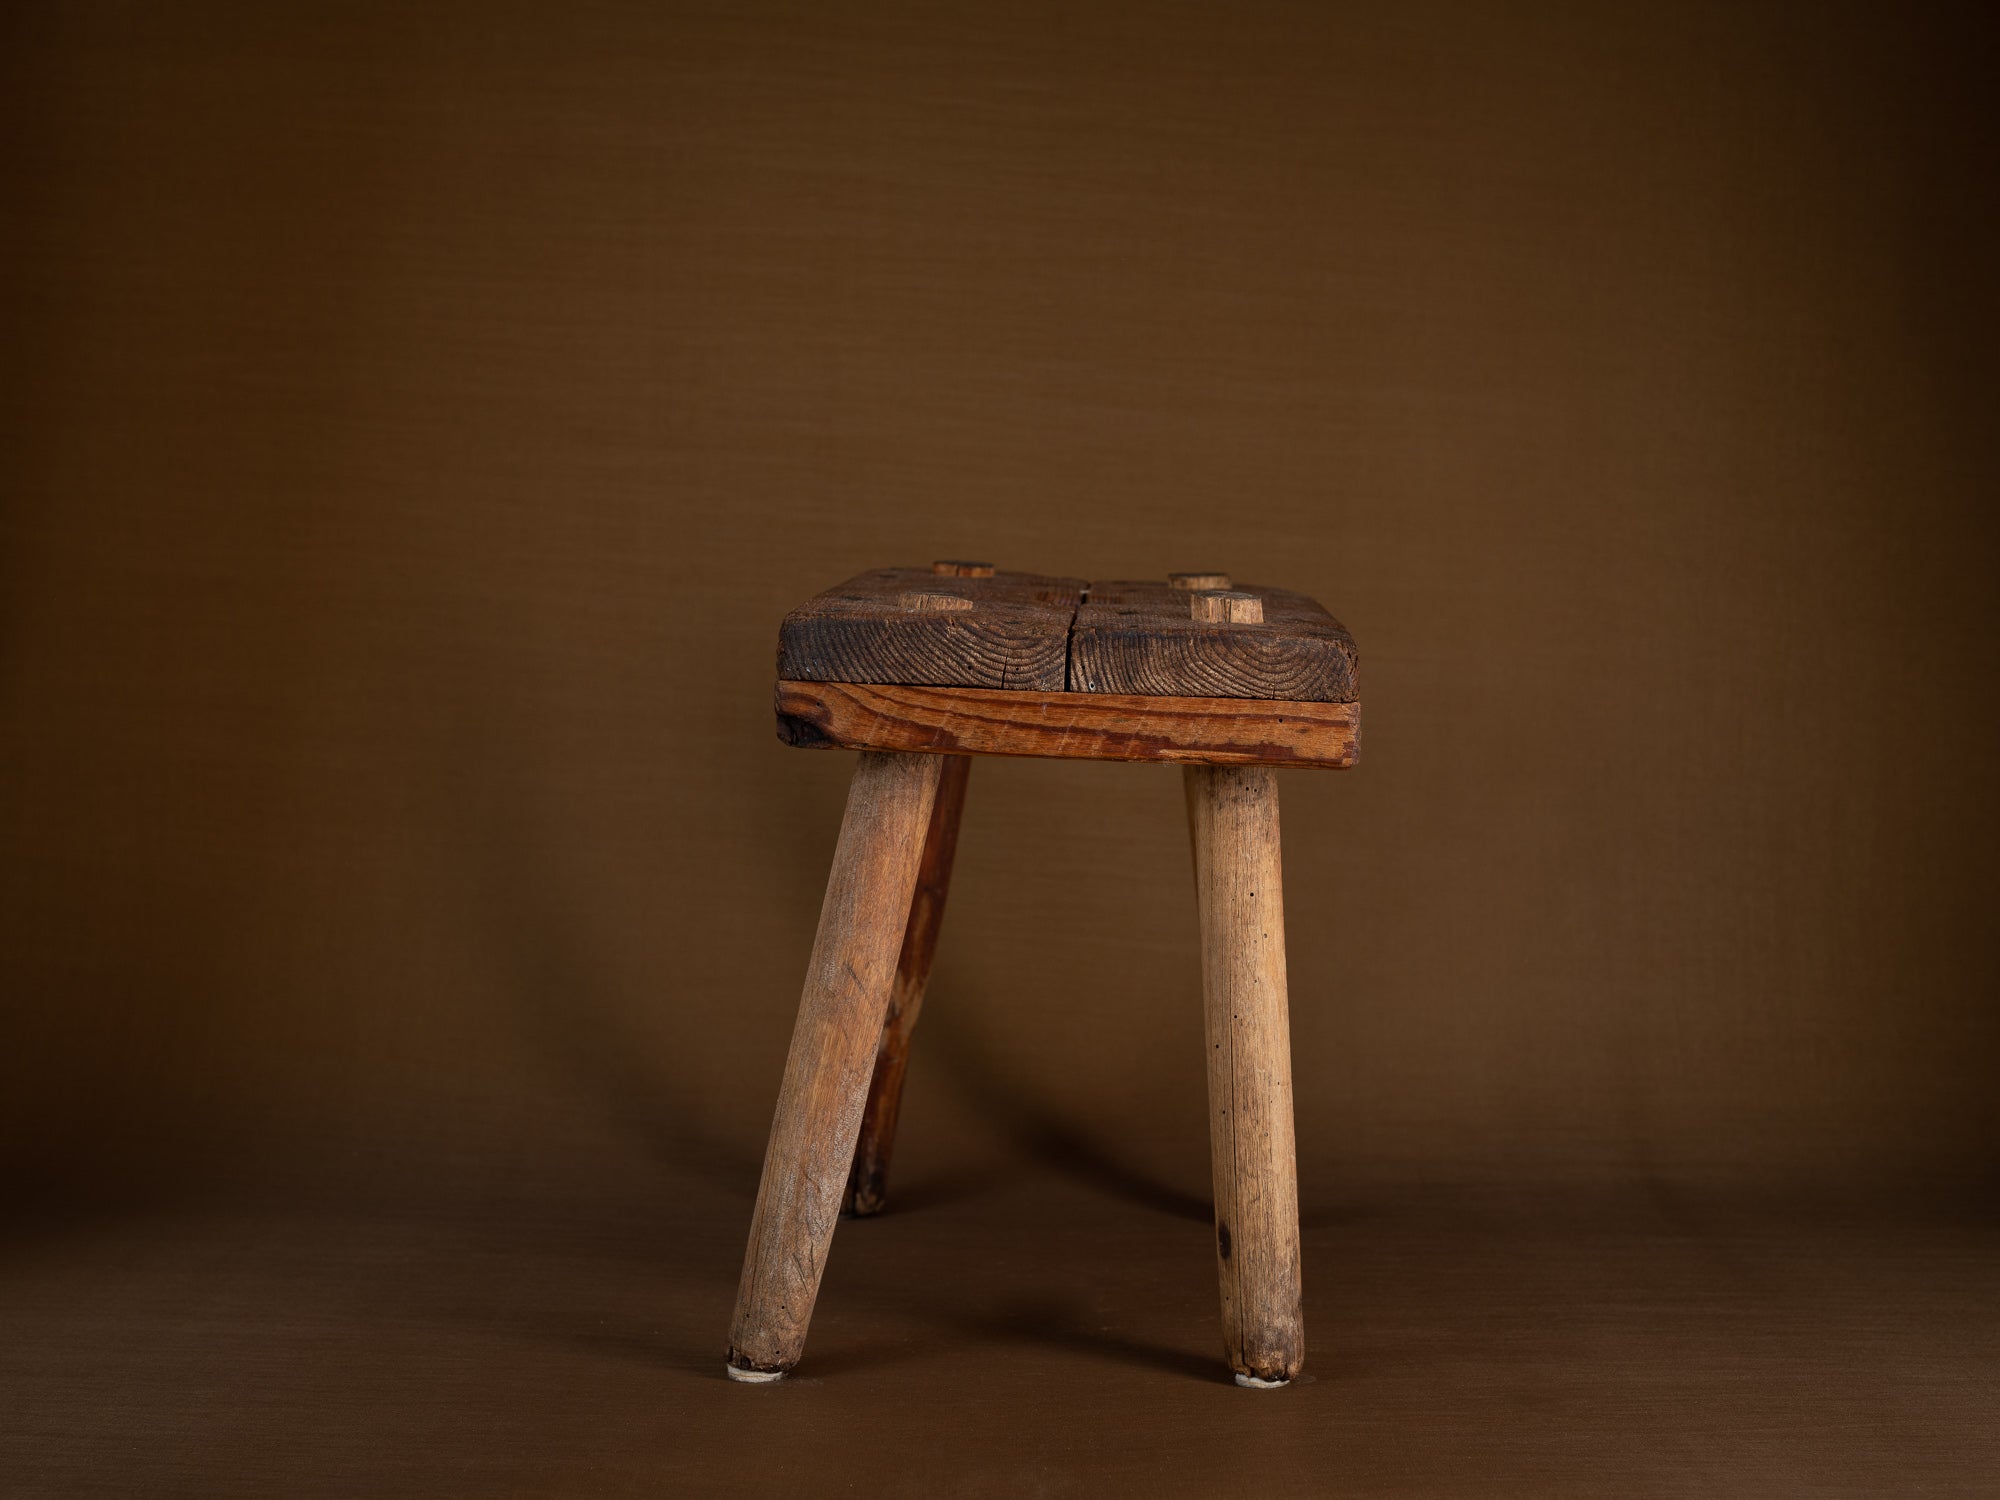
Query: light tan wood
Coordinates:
[1073,726]
[1199,580]
[1233,814]
[868,1181]
[1225,607]
[954,568]
[861,927]
[924,604]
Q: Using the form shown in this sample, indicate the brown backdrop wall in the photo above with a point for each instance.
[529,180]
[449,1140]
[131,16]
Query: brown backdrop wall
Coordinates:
[416,424]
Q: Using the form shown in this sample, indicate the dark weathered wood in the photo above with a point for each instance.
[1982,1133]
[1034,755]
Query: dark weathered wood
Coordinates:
[961,624]
[868,1182]
[1233,816]
[861,927]
[1070,726]
[1141,638]
[1011,631]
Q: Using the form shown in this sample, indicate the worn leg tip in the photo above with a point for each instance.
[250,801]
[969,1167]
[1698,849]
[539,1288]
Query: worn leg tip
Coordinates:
[867,1193]
[1258,1383]
[753,1377]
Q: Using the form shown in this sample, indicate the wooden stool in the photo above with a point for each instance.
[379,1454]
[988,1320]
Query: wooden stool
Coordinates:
[920,669]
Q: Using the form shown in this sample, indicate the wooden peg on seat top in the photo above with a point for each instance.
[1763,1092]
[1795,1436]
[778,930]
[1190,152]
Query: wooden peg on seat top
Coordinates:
[953,568]
[1200,580]
[1226,607]
[929,603]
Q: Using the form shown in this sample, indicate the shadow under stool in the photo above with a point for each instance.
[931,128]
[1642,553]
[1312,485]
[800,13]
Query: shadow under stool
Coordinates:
[921,669]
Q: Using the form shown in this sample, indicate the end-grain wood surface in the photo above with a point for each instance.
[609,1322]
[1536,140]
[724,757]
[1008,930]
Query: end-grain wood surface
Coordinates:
[1012,631]
[957,624]
[1142,637]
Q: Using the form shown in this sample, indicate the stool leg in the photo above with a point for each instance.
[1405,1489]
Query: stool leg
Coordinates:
[1233,817]
[868,1182]
[861,924]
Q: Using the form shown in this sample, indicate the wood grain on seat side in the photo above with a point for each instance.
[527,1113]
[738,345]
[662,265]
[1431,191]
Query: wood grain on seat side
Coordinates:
[1070,726]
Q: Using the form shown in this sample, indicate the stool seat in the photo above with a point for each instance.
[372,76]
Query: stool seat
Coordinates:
[961,659]
[921,669]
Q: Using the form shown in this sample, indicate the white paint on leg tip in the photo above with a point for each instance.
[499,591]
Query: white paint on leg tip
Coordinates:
[1253,1383]
[765,1377]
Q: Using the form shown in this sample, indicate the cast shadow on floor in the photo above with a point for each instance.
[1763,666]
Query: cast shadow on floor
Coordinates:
[1014,1108]
[1043,1322]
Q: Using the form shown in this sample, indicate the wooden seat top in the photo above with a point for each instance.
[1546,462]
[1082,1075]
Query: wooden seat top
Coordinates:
[961,658]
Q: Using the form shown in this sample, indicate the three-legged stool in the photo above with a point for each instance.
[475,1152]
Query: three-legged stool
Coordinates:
[921,669]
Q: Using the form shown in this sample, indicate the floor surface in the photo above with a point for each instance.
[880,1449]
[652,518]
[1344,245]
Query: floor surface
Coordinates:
[1024,1335]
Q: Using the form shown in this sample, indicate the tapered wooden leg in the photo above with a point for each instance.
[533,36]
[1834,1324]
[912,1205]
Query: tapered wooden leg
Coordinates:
[1233,816]
[861,927]
[868,1182]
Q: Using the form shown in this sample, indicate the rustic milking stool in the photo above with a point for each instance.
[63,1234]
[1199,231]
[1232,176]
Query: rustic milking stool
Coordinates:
[921,669]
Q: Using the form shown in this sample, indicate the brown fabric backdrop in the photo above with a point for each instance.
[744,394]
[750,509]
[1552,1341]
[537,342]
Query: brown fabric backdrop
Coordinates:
[417,419]
[413,427]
